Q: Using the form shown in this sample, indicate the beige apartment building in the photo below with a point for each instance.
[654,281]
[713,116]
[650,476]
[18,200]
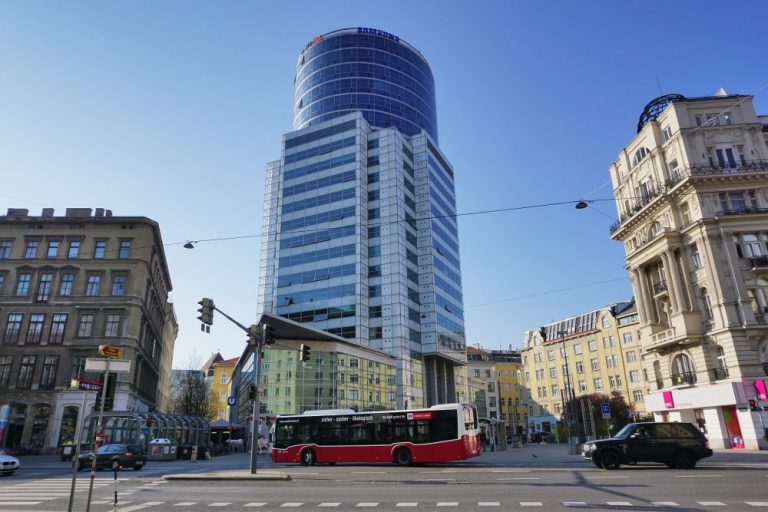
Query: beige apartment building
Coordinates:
[67,285]
[691,189]
[595,352]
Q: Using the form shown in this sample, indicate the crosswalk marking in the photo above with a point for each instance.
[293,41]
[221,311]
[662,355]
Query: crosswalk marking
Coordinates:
[219,504]
[574,504]
[447,503]
[19,503]
[711,503]
[254,504]
[531,504]
[408,504]
[185,504]
[757,503]
[292,504]
[329,504]
[618,504]
[489,504]
[367,504]
[664,504]
[141,506]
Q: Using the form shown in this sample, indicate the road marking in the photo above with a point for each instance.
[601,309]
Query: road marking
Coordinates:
[447,503]
[141,506]
[291,504]
[364,473]
[757,503]
[220,504]
[330,504]
[367,504]
[520,478]
[17,503]
[698,476]
[185,504]
[436,472]
[574,504]
[511,471]
[410,504]
[257,504]
[618,504]
[664,504]
[531,504]
[711,503]
[489,504]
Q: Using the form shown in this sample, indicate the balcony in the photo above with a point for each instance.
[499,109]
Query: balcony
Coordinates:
[699,170]
[681,379]
[744,210]
[720,373]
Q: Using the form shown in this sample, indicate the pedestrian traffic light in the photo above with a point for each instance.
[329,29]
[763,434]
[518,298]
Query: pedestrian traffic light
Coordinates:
[753,405]
[206,311]
[269,334]
[304,350]
[150,420]
[252,392]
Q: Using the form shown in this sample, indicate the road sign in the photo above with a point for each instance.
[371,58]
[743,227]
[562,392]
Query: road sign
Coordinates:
[232,400]
[605,409]
[99,364]
[110,351]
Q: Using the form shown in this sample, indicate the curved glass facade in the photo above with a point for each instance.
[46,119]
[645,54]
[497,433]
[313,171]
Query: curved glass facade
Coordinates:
[367,70]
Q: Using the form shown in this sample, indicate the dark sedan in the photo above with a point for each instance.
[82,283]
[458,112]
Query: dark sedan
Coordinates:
[111,456]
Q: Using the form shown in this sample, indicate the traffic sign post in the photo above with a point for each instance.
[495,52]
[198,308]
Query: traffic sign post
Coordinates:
[605,409]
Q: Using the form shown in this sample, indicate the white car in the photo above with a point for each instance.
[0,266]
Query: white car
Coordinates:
[8,464]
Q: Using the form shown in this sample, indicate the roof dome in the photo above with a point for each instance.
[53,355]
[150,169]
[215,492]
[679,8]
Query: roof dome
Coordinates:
[654,109]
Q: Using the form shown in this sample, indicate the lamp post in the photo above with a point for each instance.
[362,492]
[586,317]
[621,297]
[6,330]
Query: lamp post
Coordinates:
[569,395]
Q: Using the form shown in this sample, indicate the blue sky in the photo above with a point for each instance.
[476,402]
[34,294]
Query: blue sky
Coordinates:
[171,110]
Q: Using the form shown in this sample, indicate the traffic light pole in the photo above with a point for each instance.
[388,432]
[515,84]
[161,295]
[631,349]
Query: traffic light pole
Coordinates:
[256,407]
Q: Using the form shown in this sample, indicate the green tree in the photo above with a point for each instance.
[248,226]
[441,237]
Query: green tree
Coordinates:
[621,413]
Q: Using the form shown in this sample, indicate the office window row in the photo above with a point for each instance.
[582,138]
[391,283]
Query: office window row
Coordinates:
[34,332]
[35,248]
[26,371]
[42,289]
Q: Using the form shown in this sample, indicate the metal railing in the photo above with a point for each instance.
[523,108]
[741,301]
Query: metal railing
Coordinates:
[720,373]
[678,379]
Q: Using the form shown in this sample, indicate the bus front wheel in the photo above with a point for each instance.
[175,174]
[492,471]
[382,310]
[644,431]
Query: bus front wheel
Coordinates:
[308,457]
[403,457]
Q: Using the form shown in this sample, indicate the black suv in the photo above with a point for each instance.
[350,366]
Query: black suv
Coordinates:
[109,456]
[678,445]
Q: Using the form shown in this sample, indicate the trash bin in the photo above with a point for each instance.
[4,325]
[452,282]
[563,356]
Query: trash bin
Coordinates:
[67,451]
[161,449]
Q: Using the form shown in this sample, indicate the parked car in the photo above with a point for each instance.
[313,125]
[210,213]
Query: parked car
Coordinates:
[678,445]
[8,465]
[111,455]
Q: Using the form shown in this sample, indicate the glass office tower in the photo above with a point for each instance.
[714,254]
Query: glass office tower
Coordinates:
[360,228]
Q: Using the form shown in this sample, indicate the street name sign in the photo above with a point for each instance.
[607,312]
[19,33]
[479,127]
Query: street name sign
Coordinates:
[98,364]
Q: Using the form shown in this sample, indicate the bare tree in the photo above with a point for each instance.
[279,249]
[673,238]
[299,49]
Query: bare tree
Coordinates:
[190,394]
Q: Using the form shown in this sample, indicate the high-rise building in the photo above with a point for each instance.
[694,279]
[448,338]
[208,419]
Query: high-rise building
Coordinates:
[67,285]
[691,189]
[361,238]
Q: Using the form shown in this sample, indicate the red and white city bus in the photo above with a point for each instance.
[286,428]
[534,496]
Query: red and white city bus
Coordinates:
[441,433]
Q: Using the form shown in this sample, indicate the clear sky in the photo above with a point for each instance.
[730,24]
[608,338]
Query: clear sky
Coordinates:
[171,110]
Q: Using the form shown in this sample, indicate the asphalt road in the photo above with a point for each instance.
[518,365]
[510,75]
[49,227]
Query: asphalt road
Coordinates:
[497,482]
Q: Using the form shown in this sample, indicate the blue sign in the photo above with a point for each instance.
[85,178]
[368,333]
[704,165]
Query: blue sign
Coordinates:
[232,400]
[605,409]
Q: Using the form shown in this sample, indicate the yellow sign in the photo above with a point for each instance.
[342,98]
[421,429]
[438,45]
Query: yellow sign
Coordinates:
[110,351]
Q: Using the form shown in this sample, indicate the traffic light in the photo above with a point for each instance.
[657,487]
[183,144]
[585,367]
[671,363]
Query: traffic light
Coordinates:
[269,334]
[753,405]
[304,350]
[253,334]
[150,420]
[252,392]
[206,311]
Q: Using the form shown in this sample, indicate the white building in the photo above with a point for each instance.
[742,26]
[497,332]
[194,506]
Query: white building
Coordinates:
[691,189]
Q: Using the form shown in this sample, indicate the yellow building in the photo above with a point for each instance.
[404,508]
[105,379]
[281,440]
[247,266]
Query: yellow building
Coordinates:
[220,387]
[512,392]
[596,352]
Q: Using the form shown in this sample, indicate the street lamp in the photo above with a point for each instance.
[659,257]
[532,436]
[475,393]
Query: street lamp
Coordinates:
[569,394]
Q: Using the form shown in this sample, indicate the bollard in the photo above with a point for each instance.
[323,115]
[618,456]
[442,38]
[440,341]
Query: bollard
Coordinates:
[194,454]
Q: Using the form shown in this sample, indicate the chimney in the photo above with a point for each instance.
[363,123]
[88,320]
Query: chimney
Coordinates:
[47,213]
[78,213]
[18,212]
[99,212]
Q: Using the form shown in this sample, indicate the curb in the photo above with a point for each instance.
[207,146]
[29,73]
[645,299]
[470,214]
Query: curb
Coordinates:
[235,476]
